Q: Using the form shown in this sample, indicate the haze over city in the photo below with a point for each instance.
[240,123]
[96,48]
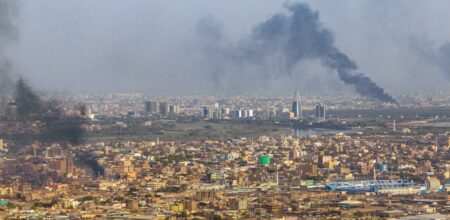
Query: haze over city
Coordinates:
[112,46]
[211,110]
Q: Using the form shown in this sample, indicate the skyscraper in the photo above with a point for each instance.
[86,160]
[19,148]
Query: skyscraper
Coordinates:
[297,106]
[173,109]
[205,112]
[152,106]
[163,108]
[148,106]
[320,112]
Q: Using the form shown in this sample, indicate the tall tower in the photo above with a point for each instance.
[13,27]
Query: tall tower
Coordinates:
[164,108]
[148,106]
[320,112]
[152,106]
[297,106]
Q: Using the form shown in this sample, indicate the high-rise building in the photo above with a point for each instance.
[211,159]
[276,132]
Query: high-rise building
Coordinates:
[148,106]
[297,106]
[152,106]
[174,109]
[320,112]
[250,113]
[164,108]
[1,143]
[244,113]
[205,112]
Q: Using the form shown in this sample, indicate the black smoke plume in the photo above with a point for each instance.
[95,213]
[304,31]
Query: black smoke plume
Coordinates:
[8,33]
[65,129]
[55,125]
[288,39]
[28,103]
[90,161]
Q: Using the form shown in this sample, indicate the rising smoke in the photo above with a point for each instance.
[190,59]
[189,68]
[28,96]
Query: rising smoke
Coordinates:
[437,56]
[27,102]
[91,161]
[29,107]
[443,59]
[286,40]
[56,126]
[8,34]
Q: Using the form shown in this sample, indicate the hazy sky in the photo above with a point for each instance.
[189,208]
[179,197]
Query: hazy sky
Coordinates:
[151,46]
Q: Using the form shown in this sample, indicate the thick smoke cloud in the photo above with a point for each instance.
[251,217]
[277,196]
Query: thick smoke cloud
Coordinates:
[8,33]
[57,127]
[443,59]
[27,102]
[28,105]
[213,44]
[91,161]
[439,56]
[286,40]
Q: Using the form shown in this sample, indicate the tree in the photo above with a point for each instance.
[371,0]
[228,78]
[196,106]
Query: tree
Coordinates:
[183,214]
[12,205]
[132,191]
[87,198]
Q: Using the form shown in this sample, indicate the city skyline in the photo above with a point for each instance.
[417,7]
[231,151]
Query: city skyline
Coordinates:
[212,110]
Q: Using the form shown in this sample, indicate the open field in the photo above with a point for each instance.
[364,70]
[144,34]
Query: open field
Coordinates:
[200,130]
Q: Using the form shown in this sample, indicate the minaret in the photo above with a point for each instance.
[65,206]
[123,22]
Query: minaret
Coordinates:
[394,126]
